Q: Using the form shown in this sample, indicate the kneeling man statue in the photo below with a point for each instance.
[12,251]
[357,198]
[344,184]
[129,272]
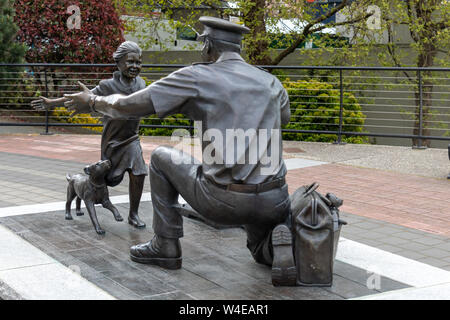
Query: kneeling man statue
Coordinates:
[245,183]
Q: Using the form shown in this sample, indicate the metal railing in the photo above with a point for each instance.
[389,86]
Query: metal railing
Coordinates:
[374,103]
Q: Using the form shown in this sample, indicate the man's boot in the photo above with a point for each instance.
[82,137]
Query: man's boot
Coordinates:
[160,251]
[284,272]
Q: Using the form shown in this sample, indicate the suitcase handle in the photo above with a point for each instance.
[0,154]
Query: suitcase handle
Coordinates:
[310,189]
[314,210]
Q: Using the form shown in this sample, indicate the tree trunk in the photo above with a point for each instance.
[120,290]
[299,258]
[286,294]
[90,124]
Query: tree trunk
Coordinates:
[257,43]
[424,60]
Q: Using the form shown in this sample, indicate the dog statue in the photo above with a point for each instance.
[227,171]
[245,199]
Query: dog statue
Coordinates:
[91,188]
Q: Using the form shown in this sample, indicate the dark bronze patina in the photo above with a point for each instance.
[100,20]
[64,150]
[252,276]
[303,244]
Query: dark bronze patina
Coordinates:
[91,188]
[120,138]
[224,93]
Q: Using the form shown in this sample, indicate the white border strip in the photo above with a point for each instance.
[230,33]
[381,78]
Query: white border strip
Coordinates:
[34,275]
[57,206]
[393,266]
[437,292]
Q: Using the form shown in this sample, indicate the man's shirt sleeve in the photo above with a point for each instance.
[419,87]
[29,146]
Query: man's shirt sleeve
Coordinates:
[285,107]
[169,94]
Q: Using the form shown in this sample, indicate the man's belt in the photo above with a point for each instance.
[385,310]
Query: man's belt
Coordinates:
[251,188]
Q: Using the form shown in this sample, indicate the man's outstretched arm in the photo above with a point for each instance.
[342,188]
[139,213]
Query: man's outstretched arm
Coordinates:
[138,104]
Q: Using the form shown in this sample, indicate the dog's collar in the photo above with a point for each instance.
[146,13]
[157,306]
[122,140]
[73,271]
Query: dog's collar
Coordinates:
[97,185]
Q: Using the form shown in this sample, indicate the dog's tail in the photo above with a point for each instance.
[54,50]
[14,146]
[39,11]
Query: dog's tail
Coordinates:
[68,177]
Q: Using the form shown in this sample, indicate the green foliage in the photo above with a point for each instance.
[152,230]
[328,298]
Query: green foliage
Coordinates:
[17,89]
[61,114]
[158,24]
[280,28]
[173,120]
[10,50]
[315,106]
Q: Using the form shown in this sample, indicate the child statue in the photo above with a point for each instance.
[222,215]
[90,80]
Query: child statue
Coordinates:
[120,138]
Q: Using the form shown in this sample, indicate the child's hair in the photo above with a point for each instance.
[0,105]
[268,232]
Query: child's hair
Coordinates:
[125,48]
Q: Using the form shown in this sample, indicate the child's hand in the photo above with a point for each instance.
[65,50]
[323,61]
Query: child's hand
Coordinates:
[41,104]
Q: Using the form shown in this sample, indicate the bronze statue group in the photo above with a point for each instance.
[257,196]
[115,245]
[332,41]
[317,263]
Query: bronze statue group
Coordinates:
[295,235]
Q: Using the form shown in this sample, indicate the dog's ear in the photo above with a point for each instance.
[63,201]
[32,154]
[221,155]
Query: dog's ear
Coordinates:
[87,170]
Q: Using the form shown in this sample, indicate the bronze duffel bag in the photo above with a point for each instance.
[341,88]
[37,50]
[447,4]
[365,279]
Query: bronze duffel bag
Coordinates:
[316,229]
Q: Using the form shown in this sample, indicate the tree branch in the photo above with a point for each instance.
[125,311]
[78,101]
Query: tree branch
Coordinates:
[307,31]
[414,36]
[441,25]
[343,23]
[392,53]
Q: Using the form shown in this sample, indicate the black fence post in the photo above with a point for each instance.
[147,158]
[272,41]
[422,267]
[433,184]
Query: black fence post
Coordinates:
[341,108]
[46,110]
[191,129]
[419,138]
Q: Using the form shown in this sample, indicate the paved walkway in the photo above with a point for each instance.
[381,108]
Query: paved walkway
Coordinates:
[395,200]
[371,179]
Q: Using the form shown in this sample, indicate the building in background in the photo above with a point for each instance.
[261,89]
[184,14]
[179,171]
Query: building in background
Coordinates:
[160,31]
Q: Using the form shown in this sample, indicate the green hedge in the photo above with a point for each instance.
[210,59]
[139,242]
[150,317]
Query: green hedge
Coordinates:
[315,106]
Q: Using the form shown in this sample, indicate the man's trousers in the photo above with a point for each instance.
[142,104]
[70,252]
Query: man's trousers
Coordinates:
[173,172]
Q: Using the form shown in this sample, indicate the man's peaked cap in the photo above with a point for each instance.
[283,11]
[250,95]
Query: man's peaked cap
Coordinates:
[224,30]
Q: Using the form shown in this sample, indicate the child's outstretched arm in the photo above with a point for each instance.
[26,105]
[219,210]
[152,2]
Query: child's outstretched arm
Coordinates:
[44,103]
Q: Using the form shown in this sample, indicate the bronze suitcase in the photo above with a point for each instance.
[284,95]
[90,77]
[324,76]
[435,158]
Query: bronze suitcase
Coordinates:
[316,230]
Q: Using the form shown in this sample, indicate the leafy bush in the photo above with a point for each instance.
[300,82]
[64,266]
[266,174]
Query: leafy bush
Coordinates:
[62,115]
[43,27]
[315,106]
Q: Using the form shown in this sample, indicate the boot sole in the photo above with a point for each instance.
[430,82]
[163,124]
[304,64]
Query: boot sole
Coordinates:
[284,272]
[166,263]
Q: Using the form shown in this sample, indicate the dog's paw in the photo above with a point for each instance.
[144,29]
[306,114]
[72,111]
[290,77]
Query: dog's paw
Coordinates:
[80,213]
[68,217]
[118,218]
[100,231]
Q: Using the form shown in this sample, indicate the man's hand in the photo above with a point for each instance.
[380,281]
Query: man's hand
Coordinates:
[79,102]
[41,104]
